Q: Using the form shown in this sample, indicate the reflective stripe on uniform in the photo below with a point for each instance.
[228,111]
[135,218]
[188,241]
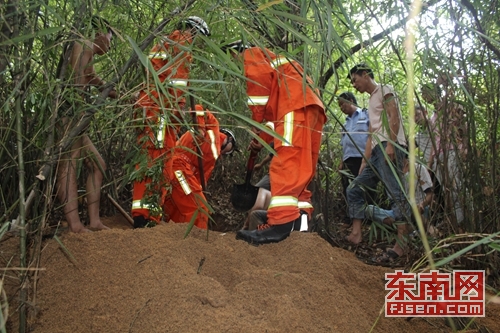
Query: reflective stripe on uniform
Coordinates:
[200,113]
[213,145]
[158,55]
[258,100]
[283,201]
[179,83]
[279,61]
[136,204]
[288,129]
[270,125]
[160,135]
[305,204]
[182,181]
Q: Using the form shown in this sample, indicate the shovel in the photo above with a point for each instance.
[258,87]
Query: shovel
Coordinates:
[244,195]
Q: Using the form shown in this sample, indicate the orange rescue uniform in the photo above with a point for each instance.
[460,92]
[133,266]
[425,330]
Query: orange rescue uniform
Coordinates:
[187,201]
[158,109]
[278,92]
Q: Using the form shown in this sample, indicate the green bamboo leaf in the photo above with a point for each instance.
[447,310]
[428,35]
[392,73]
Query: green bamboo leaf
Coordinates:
[3,229]
[3,320]
[142,58]
[39,33]
[65,249]
[293,18]
[269,4]
[495,246]
[191,224]
[455,255]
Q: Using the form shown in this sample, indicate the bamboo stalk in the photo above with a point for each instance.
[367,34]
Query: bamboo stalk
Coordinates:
[121,210]
[22,208]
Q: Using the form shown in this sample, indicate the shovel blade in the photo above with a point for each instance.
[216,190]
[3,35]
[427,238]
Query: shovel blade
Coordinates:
[243,196]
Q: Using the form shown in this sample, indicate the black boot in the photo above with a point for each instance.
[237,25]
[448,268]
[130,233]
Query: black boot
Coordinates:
[266,233]
[140,222]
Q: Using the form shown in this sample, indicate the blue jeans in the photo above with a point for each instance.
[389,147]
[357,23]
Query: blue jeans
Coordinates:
[369,178]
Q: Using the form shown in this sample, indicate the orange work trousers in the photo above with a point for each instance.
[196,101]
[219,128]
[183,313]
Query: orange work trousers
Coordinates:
[294,166]
[148,197]
[144,202]
[186,202]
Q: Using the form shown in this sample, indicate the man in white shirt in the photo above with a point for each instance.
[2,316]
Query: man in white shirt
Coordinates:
[386,139]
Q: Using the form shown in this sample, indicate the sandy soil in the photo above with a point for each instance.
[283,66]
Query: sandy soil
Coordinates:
[155,280]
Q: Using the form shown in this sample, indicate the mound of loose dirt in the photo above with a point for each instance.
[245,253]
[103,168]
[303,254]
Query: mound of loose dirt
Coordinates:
[156,281]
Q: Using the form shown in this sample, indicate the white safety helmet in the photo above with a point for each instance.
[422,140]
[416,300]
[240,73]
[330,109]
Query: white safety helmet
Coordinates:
[198,23]
[230,139]
[238,46]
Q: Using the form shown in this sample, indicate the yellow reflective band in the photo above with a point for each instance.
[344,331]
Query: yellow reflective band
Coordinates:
[179,83]
[257,100]
[182,181]
[160,135]
[288,130]
[283,201]
[158,55]
[136,204]
[200,113]
[305,204]
[279,62]
[213,146]
[270,125]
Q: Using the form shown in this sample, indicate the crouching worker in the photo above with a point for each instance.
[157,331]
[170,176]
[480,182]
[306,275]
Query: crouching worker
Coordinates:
[263,196]
[257,215]
[186,203]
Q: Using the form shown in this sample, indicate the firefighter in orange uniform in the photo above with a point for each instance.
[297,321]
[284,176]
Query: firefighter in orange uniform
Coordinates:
[277,92]
[159,109]
[187,201]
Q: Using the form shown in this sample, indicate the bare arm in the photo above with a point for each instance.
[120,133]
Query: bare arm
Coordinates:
[266,160]
[95,80]
[85,75]
[427,200]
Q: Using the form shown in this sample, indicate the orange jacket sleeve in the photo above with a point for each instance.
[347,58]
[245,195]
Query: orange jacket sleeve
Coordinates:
[212,144]
[260,76]
[171,61]
[276,85]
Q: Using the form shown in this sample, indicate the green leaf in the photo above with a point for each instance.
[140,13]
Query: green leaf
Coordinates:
[65,249]
[455,255]
[293,18]
[39,33]
[269,4]
[495,246]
